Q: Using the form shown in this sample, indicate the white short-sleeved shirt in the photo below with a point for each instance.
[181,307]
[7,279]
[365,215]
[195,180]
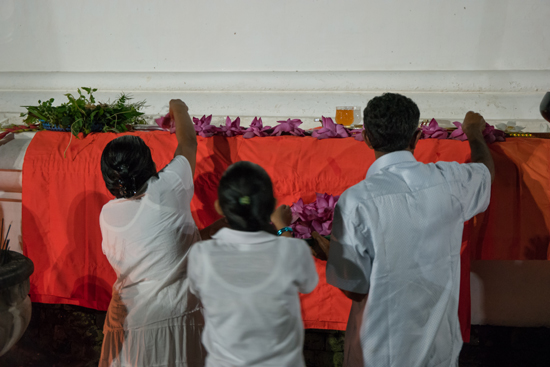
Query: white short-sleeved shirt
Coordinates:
[397,236]
[248,283]
[146,241]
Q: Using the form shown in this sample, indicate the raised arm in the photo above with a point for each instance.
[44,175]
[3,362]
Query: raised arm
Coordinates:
[473,127]
[185,132]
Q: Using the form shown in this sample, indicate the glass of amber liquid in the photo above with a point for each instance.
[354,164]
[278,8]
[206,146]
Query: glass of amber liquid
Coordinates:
[345,115]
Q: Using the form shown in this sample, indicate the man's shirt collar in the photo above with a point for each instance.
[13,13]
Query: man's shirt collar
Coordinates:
[390,159]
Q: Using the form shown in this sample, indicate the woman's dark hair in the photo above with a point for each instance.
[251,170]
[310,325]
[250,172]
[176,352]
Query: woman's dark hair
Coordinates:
[246,197]
[126,165]
[390,121]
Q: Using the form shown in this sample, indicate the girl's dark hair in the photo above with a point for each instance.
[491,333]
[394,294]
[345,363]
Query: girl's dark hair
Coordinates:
[127,165]
[390,121]
[246,197]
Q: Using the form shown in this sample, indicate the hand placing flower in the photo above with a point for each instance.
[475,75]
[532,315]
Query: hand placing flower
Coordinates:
[490,134]
[282,216]
[458,134]
[167,123]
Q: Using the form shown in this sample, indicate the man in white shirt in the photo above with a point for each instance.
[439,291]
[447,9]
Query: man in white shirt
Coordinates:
[396,236]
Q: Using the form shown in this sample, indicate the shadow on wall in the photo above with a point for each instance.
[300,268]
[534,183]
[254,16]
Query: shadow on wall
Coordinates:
[82,259]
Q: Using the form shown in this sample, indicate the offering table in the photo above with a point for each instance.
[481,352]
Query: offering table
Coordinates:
[62,198]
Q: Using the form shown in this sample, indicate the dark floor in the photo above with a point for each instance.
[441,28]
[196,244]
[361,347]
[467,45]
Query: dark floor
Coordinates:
[70,336]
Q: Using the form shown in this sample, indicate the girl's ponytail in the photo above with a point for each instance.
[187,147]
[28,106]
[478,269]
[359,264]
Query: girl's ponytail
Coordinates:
[246,197]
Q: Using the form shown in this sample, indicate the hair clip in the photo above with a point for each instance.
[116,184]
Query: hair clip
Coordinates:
[244,200]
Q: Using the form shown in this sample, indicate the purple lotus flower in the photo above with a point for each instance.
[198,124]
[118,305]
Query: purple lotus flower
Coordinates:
[491,134]
[330,130]
[166,123]
[458,134]
[434,131]
[357,134]
[232,128]
[301,230]
[288,126]
[256,129]
[203,127]
[316,216]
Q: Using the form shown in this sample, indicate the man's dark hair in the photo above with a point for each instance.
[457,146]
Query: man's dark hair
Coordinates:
[390,121]
[246,197]
[127,165]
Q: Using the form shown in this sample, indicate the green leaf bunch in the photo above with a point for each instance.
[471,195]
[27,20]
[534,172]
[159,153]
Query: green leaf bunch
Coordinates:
[81,113]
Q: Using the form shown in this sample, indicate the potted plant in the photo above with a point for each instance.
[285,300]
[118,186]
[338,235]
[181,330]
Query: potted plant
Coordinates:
[15,304]
[84,114]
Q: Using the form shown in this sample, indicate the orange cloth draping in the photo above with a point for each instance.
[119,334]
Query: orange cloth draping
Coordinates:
[62,199]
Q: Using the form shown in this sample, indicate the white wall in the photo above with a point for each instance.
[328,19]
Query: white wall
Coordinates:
[282,58]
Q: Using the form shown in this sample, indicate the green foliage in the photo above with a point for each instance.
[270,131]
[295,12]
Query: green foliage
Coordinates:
[80,114]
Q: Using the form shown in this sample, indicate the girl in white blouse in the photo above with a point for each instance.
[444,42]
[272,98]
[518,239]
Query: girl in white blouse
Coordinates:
[248,278]
[147,231]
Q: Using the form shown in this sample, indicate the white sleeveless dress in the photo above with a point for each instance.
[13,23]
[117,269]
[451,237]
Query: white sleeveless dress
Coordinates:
[153,319]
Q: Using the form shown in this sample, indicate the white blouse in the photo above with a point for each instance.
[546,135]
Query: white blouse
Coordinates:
[248,283]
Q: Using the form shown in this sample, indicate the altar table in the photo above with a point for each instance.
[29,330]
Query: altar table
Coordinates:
[62,198]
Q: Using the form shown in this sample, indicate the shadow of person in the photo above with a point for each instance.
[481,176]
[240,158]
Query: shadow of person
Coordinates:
[32,231]
[81,271]
[90,286]
[515,226]
[213,159]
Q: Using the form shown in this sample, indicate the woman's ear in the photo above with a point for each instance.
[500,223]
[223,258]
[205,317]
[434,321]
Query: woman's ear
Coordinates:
[218,207]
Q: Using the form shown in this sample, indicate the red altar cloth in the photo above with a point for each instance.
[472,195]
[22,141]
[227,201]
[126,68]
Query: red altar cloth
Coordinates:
[62,198]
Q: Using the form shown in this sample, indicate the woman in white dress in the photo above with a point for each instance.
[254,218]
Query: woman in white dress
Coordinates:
[153,319]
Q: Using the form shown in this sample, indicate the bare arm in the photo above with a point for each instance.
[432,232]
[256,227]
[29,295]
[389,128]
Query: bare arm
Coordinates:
[208,232]
[473,128]
[185,132]
[281,218]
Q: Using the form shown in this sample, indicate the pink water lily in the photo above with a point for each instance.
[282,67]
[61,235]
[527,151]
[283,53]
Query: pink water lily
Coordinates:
[232,128]
[434,131]
[289,126]
[203,127]
[316,216]
[458,134]
[301,231]
[357,134]
[256,128]
[330,130]
[491,134]
[166,123]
